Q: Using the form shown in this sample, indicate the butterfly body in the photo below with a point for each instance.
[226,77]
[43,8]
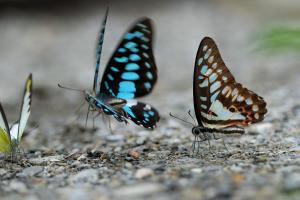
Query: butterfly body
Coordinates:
[10,138]
[106,104]
[130,73]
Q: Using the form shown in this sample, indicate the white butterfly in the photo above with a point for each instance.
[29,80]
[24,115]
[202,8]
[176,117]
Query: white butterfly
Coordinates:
[10,138]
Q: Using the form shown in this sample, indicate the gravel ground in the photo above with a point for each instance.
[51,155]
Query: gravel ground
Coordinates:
[63,160]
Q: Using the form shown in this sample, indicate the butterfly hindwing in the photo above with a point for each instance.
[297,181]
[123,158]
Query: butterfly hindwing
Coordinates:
[141,113]
[219,101]
[5,140]
[131,71]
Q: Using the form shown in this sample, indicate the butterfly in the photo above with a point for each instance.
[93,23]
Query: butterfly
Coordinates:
[221,104]
[130,73]
[10,137]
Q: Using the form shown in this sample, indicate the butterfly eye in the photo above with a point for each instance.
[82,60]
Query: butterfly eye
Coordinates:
[195,131]
[232,109]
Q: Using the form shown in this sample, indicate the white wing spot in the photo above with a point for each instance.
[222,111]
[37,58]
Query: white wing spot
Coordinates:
[208,72]
[256,116]
[240,98]
[200,61]
[249,101]
[204,48]
[204,83]
[211,59]
[234,92]
[203,98]
[225,90]
[255,108]
[214,65]
[224,78]
[203,106]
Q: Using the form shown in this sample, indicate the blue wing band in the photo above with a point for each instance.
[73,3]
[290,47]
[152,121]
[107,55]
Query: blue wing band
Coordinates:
[131,71]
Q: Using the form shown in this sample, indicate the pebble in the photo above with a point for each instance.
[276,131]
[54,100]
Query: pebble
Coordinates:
[134,154]
[115,138]
[141,141]
[264,127]
[85,176]
[292,182]
[138,190]
[196,170]
[17,186]
[143,173]
[46,160]
[31,171]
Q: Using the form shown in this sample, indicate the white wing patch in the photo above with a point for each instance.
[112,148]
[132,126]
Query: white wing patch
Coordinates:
[26,107]
[14,131]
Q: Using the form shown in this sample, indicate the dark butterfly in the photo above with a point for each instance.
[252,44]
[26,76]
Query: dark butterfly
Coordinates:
[221,104]
[130,73]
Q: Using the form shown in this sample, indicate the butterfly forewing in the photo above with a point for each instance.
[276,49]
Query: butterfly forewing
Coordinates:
[25,109]
[131,71]
[219,100]
[96,86]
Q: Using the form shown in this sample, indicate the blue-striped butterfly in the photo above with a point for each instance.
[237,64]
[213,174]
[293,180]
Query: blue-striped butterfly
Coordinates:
[221,104]
[130,73]
[10,137]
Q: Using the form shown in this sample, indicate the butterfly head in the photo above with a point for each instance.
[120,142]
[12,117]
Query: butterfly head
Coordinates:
[196,130]
[89,97]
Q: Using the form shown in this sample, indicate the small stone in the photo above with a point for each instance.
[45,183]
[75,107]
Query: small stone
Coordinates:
[196,170]
[141,141]
[262,127]
[260,159]
[115,138]
[82,157]
[17,186]
[151,156]
[143,173]
[134,154]
[46,160]
[2,172]
[85,176]
[292,182]
[31,171]
[139,190]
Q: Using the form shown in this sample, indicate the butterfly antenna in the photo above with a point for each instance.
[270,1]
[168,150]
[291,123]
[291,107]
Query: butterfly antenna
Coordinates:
[181,119]
[68,88]
[189,112]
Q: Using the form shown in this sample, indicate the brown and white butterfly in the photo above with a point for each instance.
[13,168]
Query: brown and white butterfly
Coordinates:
[221,104]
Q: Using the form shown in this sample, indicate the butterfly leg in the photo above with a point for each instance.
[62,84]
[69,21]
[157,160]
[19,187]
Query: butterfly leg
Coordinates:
[208,141]
[215,137]
[193,144]
[198,143]
[109,125]
[79,107]
[87,115]
[224,144]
